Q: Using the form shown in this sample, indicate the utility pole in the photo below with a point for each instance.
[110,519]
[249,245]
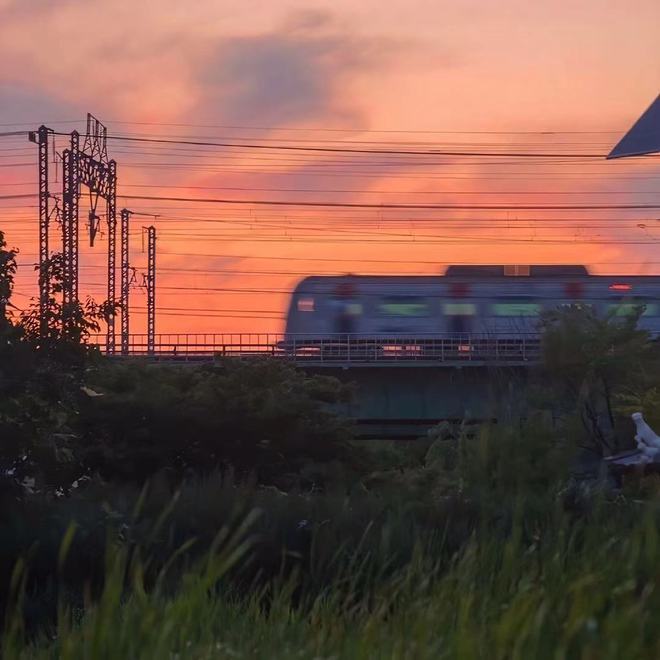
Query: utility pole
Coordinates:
[40,137]
[125,281]
[151,290]
[70,185]
[88,167]
[111,214]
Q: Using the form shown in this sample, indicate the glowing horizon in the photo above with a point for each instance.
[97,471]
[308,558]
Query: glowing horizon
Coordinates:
[510,76]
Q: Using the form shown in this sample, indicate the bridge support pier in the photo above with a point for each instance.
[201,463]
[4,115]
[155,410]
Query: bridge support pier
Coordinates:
[406,402]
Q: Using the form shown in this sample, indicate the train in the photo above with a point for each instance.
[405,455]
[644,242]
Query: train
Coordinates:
[465,300]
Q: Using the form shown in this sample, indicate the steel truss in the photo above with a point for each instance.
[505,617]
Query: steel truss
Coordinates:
[88,167]
[125,281]
[70,196]
[41,138]
[151,290]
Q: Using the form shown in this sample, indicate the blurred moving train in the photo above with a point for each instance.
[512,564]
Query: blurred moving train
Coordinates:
[465,300]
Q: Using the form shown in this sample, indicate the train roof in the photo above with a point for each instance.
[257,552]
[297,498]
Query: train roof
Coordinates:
[544,270]
[476,271]
[484,274]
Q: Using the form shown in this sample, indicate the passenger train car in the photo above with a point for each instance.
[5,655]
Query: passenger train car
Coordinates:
[465,300]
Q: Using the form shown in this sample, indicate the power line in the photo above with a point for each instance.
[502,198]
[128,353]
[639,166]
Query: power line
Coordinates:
[215,316]
[211,309]
[453,262]
[32,123]
[324,129]
[435,262]
[355,130]
[245,145]
[454,240]
[396,143]
[21,196]
[488,207]
[394,160]
[258,170]
[396,192]
[297,220]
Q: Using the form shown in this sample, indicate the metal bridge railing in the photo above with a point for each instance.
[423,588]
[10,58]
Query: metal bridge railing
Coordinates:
[332,349]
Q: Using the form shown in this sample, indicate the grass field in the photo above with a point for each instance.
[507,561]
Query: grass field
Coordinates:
[376,578]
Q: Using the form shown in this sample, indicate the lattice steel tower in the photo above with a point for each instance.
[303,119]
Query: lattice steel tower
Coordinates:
[125,281]
[41,138]
[151,290]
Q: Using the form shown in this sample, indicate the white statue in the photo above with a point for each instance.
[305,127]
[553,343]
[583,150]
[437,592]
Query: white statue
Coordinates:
[648,442]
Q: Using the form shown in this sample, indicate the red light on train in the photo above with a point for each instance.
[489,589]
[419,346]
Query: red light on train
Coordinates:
[620,287]
[459,290]
[574,289]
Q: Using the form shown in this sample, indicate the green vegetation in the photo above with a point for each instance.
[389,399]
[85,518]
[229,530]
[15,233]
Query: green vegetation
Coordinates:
[222,511]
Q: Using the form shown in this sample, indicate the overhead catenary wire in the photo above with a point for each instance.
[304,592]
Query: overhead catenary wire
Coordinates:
[319,149]
[326,129]
[400,192]
[261,257]
[485,207]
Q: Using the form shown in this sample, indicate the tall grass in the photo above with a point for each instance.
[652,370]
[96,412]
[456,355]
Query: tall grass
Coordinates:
[589,589]
[466,555]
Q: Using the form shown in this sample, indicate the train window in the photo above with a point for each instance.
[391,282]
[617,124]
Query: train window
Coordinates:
[305,304]
[516,309]
[347,306]
[354,308]
[404,306]
[459,309]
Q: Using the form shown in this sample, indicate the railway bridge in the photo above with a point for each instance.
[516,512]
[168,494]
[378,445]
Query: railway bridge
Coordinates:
[402,385]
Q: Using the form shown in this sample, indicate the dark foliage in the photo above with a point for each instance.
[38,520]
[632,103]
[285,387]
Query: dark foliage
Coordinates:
[61,333]
[260,417]
[588,361]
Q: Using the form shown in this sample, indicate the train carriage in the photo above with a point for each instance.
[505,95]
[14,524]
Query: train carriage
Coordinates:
[466,308]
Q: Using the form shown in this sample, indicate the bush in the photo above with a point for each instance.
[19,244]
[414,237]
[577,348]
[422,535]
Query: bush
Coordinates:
[261,417]
[590,361]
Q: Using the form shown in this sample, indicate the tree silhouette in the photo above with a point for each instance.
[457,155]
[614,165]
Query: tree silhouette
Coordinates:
[589,359]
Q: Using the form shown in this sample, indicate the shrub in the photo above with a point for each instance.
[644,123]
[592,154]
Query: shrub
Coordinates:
[590,360]
[262,417]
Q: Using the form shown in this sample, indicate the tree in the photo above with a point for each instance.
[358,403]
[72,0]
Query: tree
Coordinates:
[7,273]
[41,375]
[257,416]
[590,359]
[11,358]
[64,335]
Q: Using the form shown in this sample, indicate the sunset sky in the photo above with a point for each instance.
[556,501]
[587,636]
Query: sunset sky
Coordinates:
[479,76]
